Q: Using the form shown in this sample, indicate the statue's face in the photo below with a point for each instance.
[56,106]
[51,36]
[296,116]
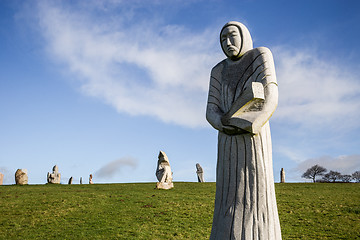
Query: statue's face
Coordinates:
[231,41]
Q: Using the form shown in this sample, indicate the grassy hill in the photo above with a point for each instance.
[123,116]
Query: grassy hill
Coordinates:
[138,211]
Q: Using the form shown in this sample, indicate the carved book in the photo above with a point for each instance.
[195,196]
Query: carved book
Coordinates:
[245,109]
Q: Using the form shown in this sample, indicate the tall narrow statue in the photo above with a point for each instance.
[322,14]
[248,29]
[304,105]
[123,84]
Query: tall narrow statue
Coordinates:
[163,172]
[1,178]
[90,179]
[243,95]
[282,175]
[200,173]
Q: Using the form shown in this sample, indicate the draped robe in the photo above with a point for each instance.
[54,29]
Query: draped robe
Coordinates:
[245,204]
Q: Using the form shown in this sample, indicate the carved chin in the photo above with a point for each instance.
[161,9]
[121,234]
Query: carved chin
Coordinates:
[232,55]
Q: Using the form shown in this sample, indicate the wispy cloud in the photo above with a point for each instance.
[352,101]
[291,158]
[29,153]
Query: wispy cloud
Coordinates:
[345,164]
[290,152]
[160,70]
[110,169]
[316,93]
[140,69]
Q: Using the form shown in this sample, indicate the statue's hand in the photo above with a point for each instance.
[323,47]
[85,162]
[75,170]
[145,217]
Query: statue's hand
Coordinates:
[230,130]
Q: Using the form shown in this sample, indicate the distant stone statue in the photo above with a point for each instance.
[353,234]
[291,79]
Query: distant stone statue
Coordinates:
[21,177]
[200,173]
[70,180]
[1,178]
[55,176]
[243,94]
[163,172]
[90,179]
[80,180]
[282,175]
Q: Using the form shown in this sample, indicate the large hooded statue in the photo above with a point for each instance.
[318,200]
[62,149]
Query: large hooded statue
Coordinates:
[243,94]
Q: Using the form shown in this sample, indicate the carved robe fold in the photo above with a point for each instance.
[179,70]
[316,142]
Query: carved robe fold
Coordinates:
[245,204]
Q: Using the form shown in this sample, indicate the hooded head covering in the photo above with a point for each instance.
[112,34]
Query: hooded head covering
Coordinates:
[163,158]
[246,41]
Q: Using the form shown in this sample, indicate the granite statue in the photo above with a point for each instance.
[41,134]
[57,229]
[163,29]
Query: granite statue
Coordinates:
[90,179]
[243,94]
[163,172]
[21,177]
[55,176]
[1,178]
[282,175]
[200,173]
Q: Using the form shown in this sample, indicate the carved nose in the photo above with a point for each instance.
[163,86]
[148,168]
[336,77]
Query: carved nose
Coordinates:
[228,42]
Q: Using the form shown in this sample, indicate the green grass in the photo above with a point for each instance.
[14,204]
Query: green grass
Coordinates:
[138,211]
[319,210]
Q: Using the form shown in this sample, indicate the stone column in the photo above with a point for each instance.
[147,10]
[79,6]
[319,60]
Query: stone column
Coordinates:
[282,175]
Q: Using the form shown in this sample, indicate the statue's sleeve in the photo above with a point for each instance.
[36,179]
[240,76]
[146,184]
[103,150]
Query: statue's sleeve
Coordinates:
[213,109]
[268,79]
[265,74]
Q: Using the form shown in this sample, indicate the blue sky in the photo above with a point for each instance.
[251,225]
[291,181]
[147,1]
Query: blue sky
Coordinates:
[102,86]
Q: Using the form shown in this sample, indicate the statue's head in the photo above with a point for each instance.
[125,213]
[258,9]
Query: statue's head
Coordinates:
[198,167]
[235,40]
[55,169]
[163,158]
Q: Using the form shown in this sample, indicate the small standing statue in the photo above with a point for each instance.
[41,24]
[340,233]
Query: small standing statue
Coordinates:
[90,179]
[55,176]
[1,178]
[163,172]
[242,97]
[21,176]
[282,175]
[200,173]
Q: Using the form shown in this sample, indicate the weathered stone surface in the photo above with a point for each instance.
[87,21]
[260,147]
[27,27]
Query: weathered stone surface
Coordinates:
[200,173]
[81,180]
[1,178]
[243,95]
[163,172]
[55,176]
[70,180]
[21,177]
[282,175]
[90,179]
[164,185]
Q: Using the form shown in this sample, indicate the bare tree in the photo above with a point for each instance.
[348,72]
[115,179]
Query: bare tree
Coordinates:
[346,178]
[356,176]
[314,171]
[332,176]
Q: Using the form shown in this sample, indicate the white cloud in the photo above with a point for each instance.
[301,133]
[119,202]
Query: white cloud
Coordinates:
[159,70]
[141,69]
[316,93]
[110,169]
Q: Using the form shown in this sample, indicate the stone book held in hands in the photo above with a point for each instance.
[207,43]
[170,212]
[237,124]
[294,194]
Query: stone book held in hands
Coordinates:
[242,114]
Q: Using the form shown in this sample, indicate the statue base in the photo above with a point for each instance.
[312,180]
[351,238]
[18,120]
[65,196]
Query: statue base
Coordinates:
[164,185]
